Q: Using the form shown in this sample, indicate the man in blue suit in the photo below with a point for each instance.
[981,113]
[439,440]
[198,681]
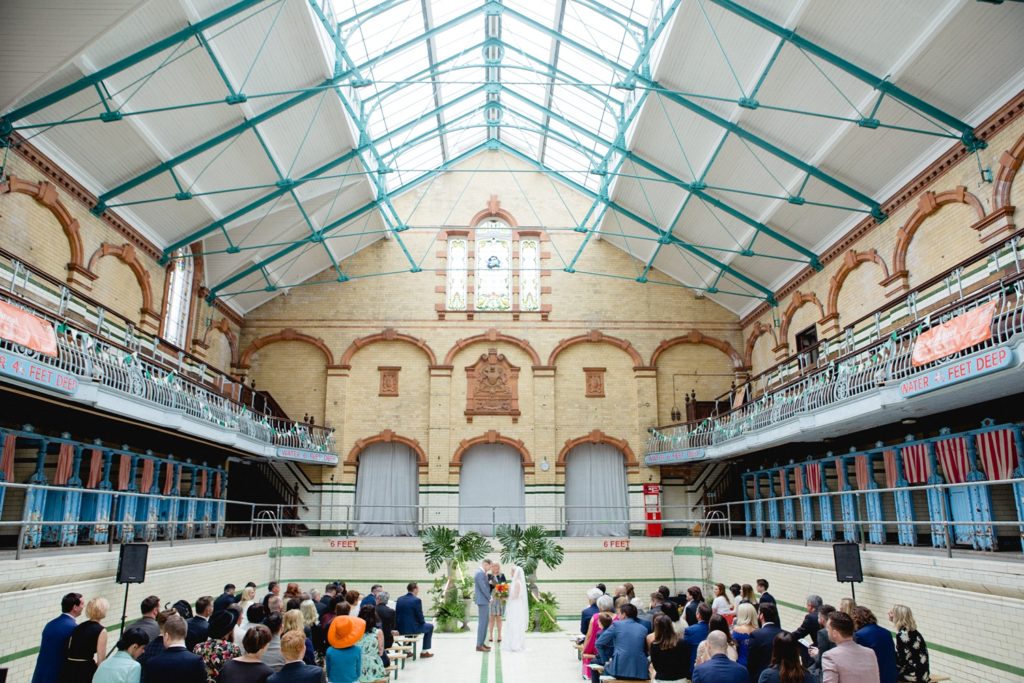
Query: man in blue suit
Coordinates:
[482,600]
[623,647]
[698,633]
[54,645]
[718,669]
[175,664]
[870,634]
[409,618]
[293,647]
[759,656]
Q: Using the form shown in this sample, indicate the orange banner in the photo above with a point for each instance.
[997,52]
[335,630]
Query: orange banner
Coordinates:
[958,334]
[23,328]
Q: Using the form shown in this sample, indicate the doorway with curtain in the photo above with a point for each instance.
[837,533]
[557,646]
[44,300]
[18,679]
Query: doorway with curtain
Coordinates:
[387,490]
[491,489]
[596,492]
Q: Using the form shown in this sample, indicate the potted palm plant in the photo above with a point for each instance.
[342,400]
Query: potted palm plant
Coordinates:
[528,548]
[442,546]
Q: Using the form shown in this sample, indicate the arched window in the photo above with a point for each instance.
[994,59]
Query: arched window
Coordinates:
[179,298]
[496,276]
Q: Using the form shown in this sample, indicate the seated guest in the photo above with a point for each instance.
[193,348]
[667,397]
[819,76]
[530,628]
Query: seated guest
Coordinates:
[273,591]
[622,647]
[200,623]
[255,614]
[786,665]
[654,607]
[847,605]
[868,633]
[694,597]
[604,605]
[698,633]
[344,660]
[122,667]
[590,610]
[54,644]
[747,595]
[225,599]
[719,669]
[275,605]
[604,622]
[847,662]
[175,664]
[156,646]
[292,591]
[219,646]
[309,616]
[149,607]
[911,650]
[810,625]
[247,599]
[293,648]
[762,588]
[272,656]
[742,626]
[821,642]
[409,618]
[762,640]
[294,621]
[87,645]
[371,598]
[671,610]
[721,604]
[372,646]
[717,623]
[670,655]
[665,593]
[352,597]
[249,668]
[736,590]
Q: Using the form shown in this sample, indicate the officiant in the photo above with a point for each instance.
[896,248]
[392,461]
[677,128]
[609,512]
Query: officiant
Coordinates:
[496,610]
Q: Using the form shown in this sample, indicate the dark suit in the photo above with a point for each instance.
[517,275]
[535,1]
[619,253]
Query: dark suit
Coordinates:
[223,601]
[759,654]
[409,618]
[809,627]
[719,669]
[53,649]
[175,665]
[766,597]
[198,627]
[585,617]
[880,640]
[824,645]
[387,624]
[694,636]
[297,672]
[623,645]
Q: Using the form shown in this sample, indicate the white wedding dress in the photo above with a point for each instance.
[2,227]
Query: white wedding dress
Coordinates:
[517,613]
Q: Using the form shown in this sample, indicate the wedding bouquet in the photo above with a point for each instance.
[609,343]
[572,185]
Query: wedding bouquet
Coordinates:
[501,591]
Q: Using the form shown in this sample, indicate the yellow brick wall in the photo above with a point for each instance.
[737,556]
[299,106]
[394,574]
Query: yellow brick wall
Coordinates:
[295,374]
[554,409]
[942,240]
[698,367]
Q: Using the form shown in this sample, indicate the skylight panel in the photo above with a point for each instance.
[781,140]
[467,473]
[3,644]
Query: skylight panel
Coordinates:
[600,33]
[542,11]
[373,36]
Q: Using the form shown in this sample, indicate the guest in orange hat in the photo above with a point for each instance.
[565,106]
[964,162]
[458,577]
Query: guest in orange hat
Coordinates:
[344,660]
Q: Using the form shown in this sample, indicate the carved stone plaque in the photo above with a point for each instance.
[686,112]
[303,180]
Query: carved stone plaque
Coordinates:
[492,387]
[388,381]
[594,382]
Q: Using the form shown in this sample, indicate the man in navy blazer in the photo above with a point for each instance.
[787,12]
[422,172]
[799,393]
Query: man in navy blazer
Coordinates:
[175,664]
[870,634]
[759,654]
[409,618]
[698,633]
[623,646]
[54,644]
[718,669]
[293,647]
[762,588]
[811,624]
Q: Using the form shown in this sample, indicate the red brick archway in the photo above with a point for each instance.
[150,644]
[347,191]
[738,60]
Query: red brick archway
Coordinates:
[596,337]
[386,335]
[387,436]
[287,334]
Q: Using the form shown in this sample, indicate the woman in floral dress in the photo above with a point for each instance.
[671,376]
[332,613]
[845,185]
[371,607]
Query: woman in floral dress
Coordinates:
[218,646]
[372,645]
[911,650]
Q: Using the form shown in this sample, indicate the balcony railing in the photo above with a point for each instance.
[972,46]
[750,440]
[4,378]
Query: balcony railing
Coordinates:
[882,361]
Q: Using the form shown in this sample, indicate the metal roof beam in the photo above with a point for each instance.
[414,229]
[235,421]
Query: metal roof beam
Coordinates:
[881,84]
[120,65]
[428,19]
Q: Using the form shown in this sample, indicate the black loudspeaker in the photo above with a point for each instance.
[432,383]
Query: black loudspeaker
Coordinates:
[131,567]
[847,557]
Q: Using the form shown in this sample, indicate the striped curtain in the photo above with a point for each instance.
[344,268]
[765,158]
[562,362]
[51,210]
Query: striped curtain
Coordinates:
[813,470]
[169,479]
[202,483]
[841,474]
[860,464]
[953,459]
[216,485]
[64,458]
[782,481]
[147,475]
[798,474]
[998,454]
[95,468]
[889,458]
[7,459]
[124,472]
[916,465]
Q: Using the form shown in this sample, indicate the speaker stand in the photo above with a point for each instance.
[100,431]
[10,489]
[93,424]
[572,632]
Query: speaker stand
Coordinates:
[124,609]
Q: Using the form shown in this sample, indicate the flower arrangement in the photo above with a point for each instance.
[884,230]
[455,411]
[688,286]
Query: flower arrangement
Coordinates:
[501,591]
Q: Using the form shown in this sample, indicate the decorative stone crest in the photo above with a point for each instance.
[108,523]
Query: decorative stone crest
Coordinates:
[594,382]
[492,387]
[388,380]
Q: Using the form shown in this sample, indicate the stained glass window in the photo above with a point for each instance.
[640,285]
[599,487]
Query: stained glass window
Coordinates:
[529,274]
[493,266]
[458,266]
[179,299]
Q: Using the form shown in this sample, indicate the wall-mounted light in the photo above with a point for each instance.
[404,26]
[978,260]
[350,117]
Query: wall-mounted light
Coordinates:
[544,464]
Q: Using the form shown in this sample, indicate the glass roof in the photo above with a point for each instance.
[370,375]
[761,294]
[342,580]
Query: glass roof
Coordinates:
[436,79]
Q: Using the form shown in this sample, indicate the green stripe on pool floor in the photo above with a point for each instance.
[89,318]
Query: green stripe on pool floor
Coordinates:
[483,668]
[497,665]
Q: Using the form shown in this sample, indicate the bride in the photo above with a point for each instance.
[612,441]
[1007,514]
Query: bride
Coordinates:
[517,612]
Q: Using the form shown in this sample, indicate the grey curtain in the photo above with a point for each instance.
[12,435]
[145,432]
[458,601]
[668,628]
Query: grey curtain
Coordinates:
[596,494]
[387,491]
[491,490]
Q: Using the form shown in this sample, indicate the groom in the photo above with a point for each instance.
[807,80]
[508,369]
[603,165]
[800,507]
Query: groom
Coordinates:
[482,598]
